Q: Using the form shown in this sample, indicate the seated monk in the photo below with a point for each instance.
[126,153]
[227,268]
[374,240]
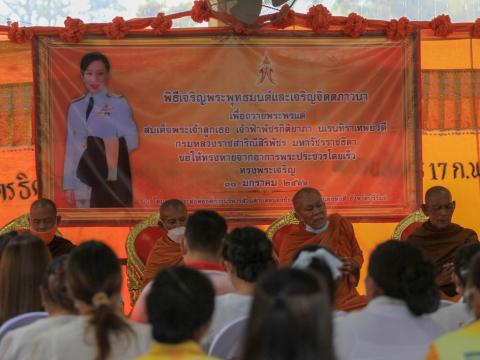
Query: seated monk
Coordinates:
[167,250]
[44,221]
[438,238]
[333,232]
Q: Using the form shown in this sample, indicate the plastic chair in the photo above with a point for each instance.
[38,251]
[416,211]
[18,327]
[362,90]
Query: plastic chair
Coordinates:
[139,243]
[227,344]
[21,320]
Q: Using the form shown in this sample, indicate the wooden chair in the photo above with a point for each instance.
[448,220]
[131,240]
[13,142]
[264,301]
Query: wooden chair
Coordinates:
[408,224]
[139,243]
[279,228]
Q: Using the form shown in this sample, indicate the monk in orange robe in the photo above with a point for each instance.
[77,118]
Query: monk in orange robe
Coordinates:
[334,232]
[167,250]
[438,238]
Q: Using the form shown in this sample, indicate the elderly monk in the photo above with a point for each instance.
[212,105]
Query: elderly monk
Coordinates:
[44,221]
[167,250]
[438,238]
[334,232]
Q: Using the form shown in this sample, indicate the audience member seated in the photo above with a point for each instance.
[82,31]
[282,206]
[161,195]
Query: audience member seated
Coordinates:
[290,318]
[334,232]
[438,238]
[100,332]
[462,344]
[23,264]
[5,238]
[458,314]
[247,254]
[401,288]
[204,235]
[44,223]
[180,306]
[167,250]
[324,262]
[17,344]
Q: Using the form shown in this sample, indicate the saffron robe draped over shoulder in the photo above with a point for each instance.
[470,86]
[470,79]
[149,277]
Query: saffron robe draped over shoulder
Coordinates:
[439,245]
[340,238]
[165,253]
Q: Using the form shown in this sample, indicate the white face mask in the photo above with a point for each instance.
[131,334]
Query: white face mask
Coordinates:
[176,234]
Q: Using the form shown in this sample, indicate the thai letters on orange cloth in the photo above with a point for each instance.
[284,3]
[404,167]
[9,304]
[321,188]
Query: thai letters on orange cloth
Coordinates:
[340,238]
[165,253]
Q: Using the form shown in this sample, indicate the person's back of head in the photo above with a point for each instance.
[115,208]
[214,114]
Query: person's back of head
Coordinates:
[473,286]
[55,297]
[23,264]
[4,240]
[290,318]
[399,271]
[205,232]
[180,305]
[461,262]
[94,279]
[322,261]
[249,252]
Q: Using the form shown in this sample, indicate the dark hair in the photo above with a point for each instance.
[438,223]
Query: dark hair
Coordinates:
[54,287]
[87,59]
[321,268]
[249,251]
[180,301]
[205,231]
[474,272]
[23,264]
[290,318]
[5,238]
[93,272]
[399,269]
[461,261]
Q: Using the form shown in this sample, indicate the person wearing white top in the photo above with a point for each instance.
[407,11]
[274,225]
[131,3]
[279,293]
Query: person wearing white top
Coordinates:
[247,254]
[457,315]
[101,332]
[17,344]
[401,290]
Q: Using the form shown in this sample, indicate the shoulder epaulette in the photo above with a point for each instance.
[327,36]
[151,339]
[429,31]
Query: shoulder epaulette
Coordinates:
[79,98]
[114,95]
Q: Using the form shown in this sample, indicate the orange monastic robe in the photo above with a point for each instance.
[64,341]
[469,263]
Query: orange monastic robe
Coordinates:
[340,238]
[165,253]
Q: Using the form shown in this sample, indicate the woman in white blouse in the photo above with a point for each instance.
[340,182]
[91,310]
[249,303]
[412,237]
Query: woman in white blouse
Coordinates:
[100,332]
[401,289]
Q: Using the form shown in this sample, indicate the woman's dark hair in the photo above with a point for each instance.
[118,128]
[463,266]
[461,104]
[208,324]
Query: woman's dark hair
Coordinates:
[399,269]
[180,302]
[462,258]
[250,253]
[290,318]
[474,272]
[5,238]
[94,277]
[88,58]
[54,287]
[321,268]
[23,264]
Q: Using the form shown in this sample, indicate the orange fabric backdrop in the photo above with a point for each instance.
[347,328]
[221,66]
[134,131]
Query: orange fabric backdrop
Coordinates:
[440,145]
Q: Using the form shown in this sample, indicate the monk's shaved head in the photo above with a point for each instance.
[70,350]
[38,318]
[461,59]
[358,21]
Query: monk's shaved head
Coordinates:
[44,203]
[301,194]
[171,204]
[436,190]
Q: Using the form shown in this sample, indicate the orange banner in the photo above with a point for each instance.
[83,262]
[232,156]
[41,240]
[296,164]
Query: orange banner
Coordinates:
[232,124]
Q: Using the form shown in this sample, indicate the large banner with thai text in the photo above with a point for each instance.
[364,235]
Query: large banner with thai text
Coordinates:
[234,124]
